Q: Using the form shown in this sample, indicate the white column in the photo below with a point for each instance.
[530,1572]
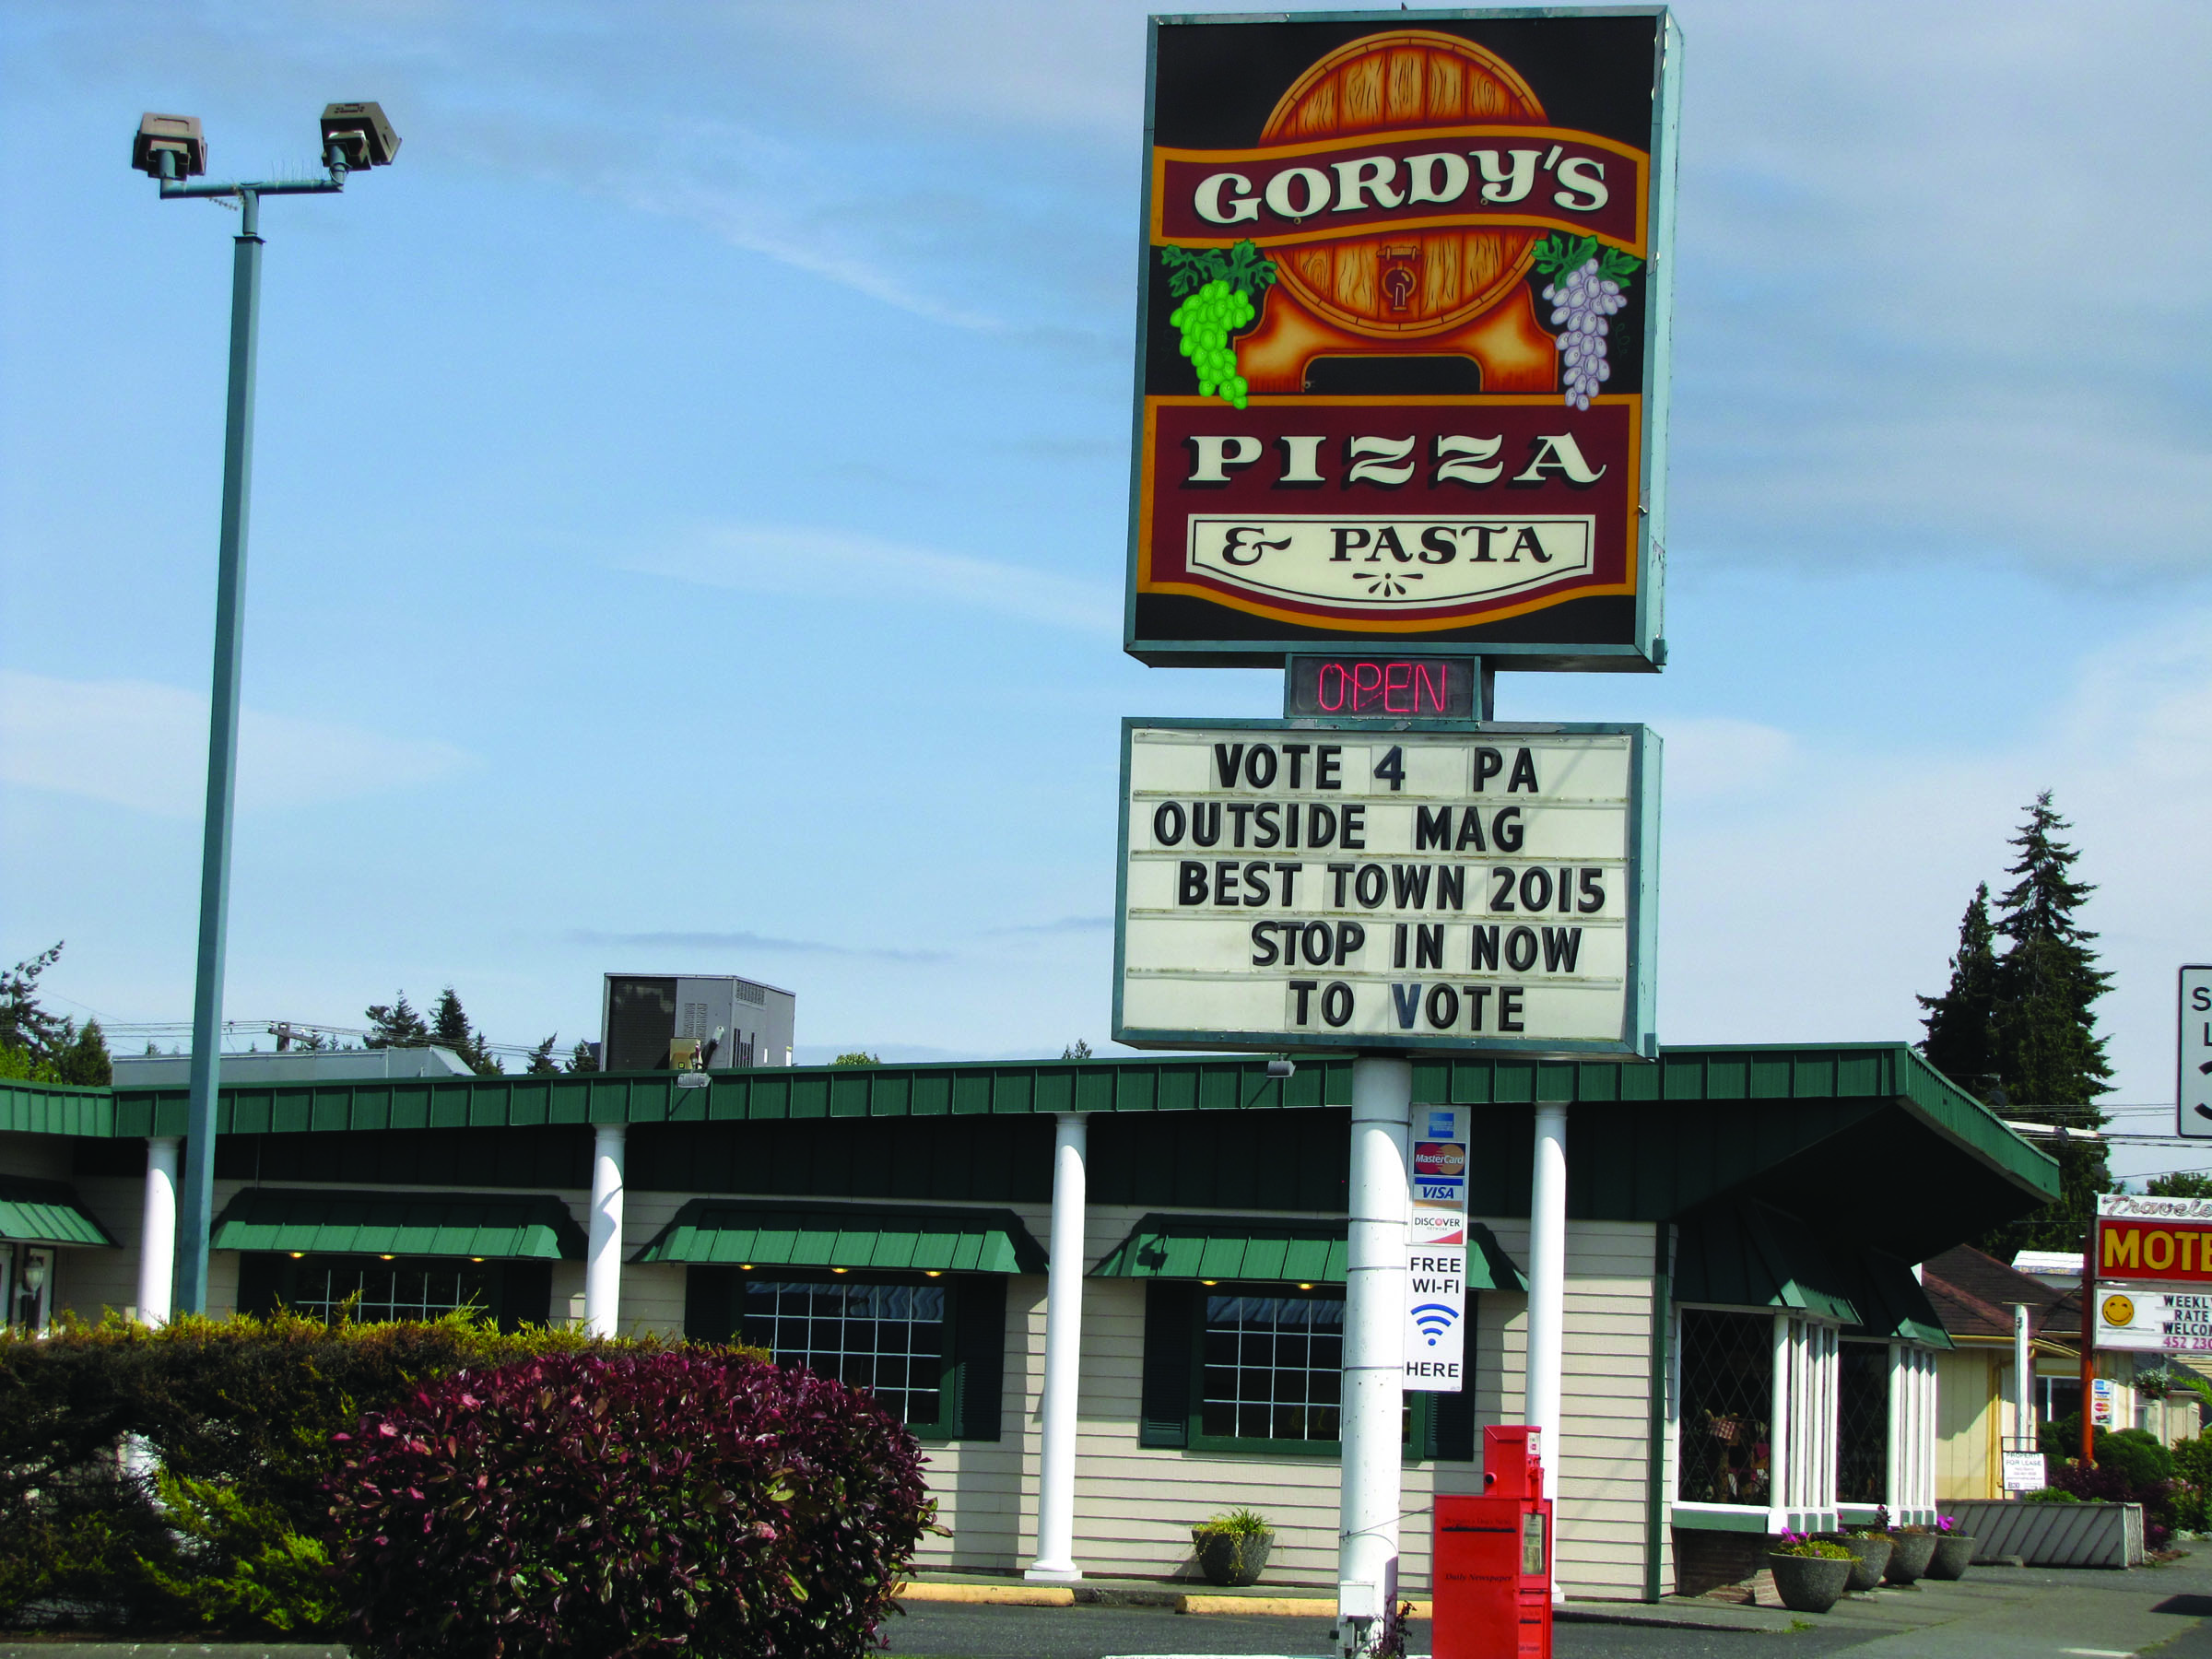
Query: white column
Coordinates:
[158,1238]
[1055,1561]
[1547,1298]
[1374,1351]
[2023,1379]
[603,1260]
[1778,1430]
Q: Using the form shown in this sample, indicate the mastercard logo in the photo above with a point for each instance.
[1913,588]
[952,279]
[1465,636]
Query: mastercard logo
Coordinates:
[1440,1158]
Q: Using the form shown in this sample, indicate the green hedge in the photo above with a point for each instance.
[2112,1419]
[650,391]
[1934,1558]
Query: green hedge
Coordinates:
[174,1479]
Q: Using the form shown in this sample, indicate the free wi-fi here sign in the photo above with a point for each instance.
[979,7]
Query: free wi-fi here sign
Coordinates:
[1436,1255]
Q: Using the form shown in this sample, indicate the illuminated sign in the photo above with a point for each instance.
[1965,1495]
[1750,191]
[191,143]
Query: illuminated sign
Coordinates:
[1387,884]
[1370,687]
[1403,335]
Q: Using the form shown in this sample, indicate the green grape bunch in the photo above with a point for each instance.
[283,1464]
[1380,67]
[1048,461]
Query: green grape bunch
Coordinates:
[1217,289]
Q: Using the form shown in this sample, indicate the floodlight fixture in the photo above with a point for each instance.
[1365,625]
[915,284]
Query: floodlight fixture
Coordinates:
[169,146]
[172,150]
[356,134]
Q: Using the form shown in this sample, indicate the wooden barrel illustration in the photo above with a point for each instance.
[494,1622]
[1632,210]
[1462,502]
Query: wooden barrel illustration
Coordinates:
[1403,283]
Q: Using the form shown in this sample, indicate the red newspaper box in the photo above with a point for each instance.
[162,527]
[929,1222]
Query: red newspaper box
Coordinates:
[1492,1573]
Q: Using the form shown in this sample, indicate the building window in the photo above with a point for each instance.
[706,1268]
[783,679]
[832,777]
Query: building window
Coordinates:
[370,1289]
[1259,1367]
[889,1339]
[1727,1396]
[2057,1397]
[1863,1448]
[1273,1368]
[933,1351]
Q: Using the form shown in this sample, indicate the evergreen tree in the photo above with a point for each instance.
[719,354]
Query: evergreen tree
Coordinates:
[542,1063]
[25,1026]
[85,1060]
[40,1046]
[1962,1023]
[2181,1183]
[581,1058]
[395,1024]
[449,1029]
[1077,1050]
[2045,1031]
[2016,1028]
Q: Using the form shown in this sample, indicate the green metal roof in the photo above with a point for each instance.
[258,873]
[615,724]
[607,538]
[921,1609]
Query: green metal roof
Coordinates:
[1887,1072]
[1250,1250]
[1892,1303]
[910,1238]
[536,1227]
[1862,1141]
[46,1212]
[56,1108]
[1746,1256]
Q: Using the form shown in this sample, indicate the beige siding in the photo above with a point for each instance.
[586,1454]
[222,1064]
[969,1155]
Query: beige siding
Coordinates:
[1967,1425]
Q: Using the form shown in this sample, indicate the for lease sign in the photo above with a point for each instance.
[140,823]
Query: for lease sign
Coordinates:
[1403,335]
[1370,884]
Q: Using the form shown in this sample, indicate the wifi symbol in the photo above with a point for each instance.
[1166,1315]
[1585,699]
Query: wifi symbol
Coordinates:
[1433,1319]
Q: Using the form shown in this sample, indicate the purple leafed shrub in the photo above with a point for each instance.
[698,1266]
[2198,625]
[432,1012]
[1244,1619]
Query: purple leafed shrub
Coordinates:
[576,1505]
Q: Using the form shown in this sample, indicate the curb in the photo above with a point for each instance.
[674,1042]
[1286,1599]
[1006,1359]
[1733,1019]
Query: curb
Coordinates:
[1002,1595]
[1298,1606]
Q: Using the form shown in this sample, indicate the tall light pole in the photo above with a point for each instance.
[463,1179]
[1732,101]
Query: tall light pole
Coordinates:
[170,149]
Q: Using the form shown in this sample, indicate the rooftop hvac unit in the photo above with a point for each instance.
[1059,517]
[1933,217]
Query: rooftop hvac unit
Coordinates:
[686,1022]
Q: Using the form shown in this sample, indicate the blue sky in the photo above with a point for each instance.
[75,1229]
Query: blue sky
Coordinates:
[689,508]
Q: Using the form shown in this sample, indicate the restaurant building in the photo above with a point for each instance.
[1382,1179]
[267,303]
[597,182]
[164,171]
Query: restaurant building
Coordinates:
[1747,1348]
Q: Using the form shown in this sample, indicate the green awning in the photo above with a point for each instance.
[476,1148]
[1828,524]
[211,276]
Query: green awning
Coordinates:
[909,1238]
[46,1212]
[1270,1252]
[528,1225]
[1747,1255]
[1891,1304]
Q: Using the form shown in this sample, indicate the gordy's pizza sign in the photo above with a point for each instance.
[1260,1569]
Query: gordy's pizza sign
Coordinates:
[1403,337]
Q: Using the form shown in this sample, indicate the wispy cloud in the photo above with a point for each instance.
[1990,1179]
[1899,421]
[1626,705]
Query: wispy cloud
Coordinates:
[752,941]
[1066,924]
[144,746]
[832,566]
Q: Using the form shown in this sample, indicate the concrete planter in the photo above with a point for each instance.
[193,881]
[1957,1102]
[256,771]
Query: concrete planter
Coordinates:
[1231,1558]
[1809,1583]
[1953,1551]
[2052,1535]
[1909,1556]
[1870,1557]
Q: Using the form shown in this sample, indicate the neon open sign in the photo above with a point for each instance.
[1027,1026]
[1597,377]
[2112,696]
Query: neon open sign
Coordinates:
[1373,687]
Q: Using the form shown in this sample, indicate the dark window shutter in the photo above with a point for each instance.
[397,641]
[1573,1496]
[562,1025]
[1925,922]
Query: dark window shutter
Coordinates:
[1451,1425]
[1166,1415]
[260,1283]
[710,1295]
[979,1356]
[525,1294]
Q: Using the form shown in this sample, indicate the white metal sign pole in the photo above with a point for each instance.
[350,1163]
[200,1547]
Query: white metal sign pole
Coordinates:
[1547,1293]
[1374,1351]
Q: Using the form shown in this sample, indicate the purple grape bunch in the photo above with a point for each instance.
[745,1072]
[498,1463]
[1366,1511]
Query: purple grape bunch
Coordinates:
[1588,286]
